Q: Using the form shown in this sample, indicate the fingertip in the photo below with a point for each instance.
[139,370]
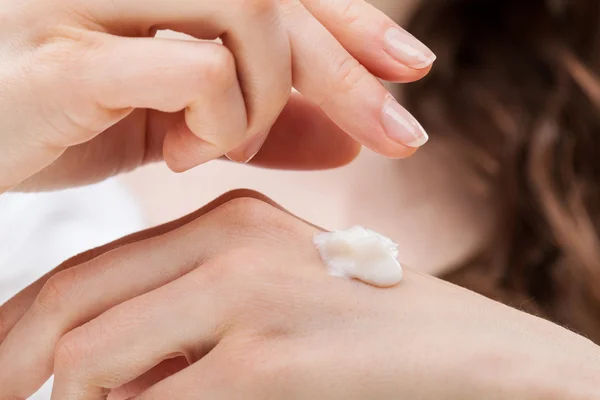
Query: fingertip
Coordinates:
[400,125]
[182,150]
[408,152]
[391,71]
[388,65]
[396,152]
[248,150]
[382,46]
[407,49]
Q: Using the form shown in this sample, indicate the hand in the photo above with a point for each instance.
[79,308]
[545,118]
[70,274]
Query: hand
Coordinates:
[87,91]
[234,302]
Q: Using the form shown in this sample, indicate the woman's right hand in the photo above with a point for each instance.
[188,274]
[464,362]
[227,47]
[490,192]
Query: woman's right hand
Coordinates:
[234,302]
[71,70]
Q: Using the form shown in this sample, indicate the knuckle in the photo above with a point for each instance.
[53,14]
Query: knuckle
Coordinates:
[245,212]
[242,193]
[350,11]
[253,220]
[219,69]
[70,351]
[56,293]
[349,75]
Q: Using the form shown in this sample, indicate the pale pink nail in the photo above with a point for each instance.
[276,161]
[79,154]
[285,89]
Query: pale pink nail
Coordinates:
[407,49]
[400,125]
[248,150]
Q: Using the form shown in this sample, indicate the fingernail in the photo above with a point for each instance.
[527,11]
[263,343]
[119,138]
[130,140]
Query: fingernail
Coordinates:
[246,152]
[400,125]
[407,49]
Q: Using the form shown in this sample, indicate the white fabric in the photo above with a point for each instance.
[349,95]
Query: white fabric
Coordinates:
[39,231]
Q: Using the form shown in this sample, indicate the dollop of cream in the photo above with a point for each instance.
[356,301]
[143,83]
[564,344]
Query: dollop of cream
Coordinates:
[360,253]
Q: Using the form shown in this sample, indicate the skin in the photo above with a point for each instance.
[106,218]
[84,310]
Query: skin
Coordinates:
[415,201]
[243,267]
[233,301]
[132,98]
[440,217]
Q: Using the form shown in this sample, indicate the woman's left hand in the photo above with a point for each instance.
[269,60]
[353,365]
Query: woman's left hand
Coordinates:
[233,302]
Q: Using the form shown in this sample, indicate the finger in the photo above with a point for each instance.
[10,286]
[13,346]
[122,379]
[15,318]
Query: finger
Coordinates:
[252,30]
[149,379]
[345,90]
[80,293]
[303,138]
[124,342]
[172,75]
[12,311]
[387,50]
[205,379]
[188,316]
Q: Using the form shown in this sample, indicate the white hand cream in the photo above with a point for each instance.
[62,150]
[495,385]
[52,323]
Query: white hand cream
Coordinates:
[359,253]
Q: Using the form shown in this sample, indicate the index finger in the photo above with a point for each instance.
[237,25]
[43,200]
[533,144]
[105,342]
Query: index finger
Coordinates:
[328,75]
[374,39]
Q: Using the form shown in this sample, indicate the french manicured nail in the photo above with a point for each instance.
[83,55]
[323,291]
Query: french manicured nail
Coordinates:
[400,125]
[246,152]
[407,49]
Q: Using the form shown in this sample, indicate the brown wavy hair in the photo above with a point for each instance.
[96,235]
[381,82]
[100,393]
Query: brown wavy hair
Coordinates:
[516,85]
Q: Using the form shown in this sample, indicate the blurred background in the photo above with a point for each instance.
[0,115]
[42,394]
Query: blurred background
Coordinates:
[503,200]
